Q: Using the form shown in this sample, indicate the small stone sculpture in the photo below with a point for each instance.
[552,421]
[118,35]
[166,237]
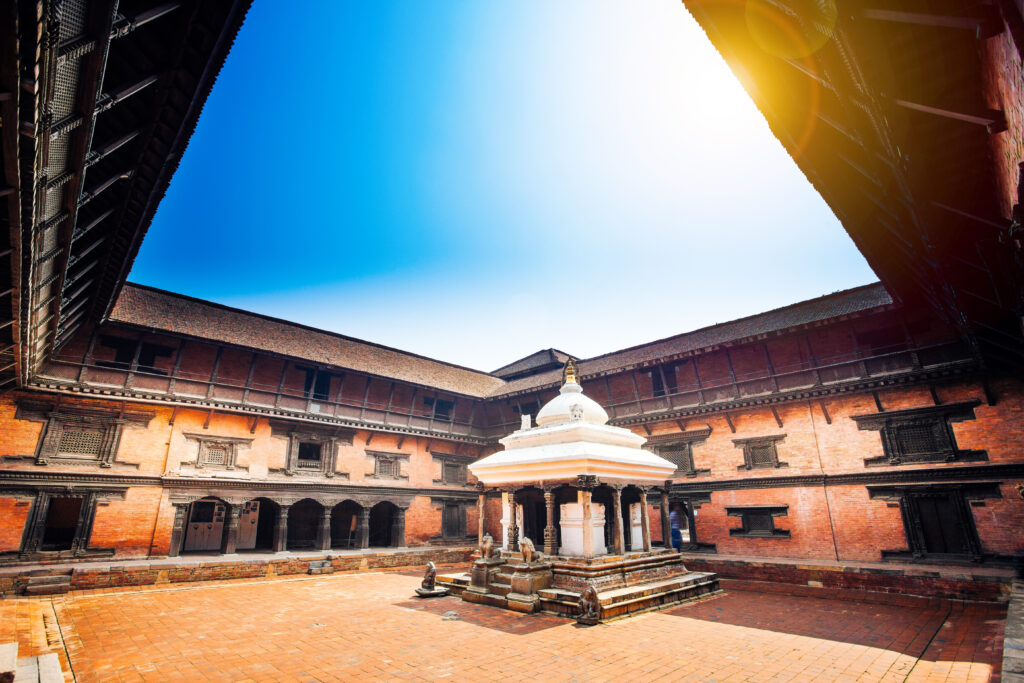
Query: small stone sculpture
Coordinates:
[530,553]
[575,412]
[525,422]
[486,547]
[429,577]
[427,588]
[590,608]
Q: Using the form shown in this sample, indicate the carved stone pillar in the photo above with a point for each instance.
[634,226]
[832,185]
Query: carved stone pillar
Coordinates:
[178,529]
[481,506]
[281,530]
[229,541]
[620,539]
[363,529]
[588,524]
[323,534]
[550,532]
[645,520]
[398,528]
[513,524]
[666,521]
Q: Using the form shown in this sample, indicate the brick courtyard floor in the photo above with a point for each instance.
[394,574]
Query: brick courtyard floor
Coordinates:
[367,627]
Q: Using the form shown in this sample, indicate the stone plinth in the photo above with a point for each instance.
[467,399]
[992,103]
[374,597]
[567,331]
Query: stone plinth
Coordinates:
[527,581]
[481,576]
[437,592]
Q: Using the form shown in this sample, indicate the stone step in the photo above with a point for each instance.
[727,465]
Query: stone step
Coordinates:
[48,589]
[48,579]
[619,601]
[8,661]
[501,589]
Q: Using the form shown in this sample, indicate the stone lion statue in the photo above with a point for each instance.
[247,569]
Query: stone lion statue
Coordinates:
[429,577]
[486,547]
[590,608]
[530,553]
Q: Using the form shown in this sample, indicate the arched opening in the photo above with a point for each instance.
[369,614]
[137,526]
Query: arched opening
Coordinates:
[383,516]
[631,519]
[344,524]
[204,530]
[303,523]
[256,525]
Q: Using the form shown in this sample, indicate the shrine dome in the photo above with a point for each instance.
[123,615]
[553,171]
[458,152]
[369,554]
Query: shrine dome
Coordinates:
[559,410]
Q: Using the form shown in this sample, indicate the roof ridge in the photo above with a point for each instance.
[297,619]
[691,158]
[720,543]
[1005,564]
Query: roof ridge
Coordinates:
[736,320]
[290,323]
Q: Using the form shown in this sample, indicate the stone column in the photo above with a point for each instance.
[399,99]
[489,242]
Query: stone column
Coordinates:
[281,530]
[178,529]
[229,541]
[620,539]
[398,529]
[645,520]
[513,524]
[481,506]
[588,525]
[323,534]
[550,532]
[363,529]
[666,521]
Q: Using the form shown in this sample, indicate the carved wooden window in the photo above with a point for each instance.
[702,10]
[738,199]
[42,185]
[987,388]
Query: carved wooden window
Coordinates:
[216,454]
[760,452]
[310,455]
[128,351]
[664,386]
[677,448]
[441,408]
[453,473]
[758,521]
[388,467]
[80,442]
[920,435]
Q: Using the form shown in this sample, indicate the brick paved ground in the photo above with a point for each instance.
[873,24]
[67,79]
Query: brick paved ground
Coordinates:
[367,627]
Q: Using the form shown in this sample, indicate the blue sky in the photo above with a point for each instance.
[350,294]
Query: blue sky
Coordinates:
[473,181]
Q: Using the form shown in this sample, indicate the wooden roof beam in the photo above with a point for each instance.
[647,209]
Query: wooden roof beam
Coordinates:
[993,120]
[982,27]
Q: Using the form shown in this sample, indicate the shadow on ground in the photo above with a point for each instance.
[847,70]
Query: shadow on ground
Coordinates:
[495,618]
[953,631]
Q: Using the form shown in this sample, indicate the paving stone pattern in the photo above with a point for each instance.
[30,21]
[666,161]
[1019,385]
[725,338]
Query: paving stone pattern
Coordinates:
[368,627]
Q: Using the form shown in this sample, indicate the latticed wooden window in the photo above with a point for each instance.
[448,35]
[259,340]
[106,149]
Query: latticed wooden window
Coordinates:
[679,456]
[81,442]
[216,455]
[758,521]
[388,467]
[921,439]
[761,452]
[762,455]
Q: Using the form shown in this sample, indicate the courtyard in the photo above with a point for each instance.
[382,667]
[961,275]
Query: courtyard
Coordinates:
[367,626]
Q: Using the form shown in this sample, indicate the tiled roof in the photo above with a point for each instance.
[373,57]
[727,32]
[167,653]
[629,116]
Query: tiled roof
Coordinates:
[795,315]
[538,359]
[159,310]
[153,308]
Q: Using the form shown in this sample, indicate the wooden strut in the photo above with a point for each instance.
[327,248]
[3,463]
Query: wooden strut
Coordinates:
[728,419]
[824,411]
[206,422]
[878,401]
[775,414]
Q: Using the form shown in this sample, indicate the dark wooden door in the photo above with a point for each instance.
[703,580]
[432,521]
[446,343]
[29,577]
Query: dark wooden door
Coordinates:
[942,524]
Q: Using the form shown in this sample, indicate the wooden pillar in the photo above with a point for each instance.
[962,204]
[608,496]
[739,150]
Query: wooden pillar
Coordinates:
[281,530]
[398,528]
[588,526]
[229,542]
[645,520]
[363,529]
[323,534]
[620,539]
[513,524]
[666,522]
[481,507]
[550,532]
[178,530]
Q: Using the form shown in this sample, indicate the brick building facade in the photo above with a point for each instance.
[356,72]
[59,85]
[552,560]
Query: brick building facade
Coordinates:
[840,428]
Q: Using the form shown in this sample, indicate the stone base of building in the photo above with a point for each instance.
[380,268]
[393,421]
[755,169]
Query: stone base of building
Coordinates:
[625,584]
[50,579]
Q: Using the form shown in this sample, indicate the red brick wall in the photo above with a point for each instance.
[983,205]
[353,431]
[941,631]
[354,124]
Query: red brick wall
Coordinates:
[127,525]
[13,515]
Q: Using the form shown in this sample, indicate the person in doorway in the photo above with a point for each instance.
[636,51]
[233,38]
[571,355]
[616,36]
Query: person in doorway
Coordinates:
[674,516]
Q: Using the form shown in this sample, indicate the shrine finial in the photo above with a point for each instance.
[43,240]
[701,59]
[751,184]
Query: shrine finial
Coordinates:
[570,375]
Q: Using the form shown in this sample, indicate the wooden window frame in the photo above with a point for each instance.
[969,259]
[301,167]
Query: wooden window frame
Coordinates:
[748,446]
[747,512]
[939,418]
[678,448]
